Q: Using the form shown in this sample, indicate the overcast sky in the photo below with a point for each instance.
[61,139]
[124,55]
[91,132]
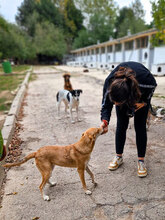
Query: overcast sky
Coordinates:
[8,8]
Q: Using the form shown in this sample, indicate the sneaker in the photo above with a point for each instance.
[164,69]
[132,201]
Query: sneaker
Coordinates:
[116,162]
[142,171]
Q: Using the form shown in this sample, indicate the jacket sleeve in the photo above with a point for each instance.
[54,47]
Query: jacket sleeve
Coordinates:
[107,105]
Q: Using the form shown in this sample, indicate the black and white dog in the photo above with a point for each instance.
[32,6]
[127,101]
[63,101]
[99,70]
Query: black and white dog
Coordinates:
[71,99]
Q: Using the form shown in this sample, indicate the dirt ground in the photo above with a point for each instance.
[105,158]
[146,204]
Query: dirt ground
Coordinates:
[120,195]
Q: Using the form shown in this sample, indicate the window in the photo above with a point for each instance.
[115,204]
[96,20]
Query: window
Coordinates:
[138,43]
[118,47]
[144,42]
[103,50]
[129,45]
[109,49]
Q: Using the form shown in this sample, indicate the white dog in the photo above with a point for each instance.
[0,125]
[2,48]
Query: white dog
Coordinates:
[71,99]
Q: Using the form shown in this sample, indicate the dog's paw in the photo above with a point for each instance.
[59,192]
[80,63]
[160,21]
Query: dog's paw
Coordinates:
[46,198]
[88,192]
[95,184]
[52,184]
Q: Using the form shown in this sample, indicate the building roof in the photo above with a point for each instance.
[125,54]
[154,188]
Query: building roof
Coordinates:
[118,40]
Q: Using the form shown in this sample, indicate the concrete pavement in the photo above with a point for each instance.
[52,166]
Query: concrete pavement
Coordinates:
[119,195]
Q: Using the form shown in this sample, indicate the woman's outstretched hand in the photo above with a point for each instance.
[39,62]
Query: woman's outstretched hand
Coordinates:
[104,126]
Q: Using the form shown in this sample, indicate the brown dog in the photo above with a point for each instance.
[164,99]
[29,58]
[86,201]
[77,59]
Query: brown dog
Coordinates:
[75,155]
[67,83]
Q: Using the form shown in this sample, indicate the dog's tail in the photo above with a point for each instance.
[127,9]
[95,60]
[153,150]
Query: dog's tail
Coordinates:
[28,157]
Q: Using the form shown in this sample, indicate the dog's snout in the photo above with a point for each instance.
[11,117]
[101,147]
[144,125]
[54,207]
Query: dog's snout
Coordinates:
[77,98]
[100,130]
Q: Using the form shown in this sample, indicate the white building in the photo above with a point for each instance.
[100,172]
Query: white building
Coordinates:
[109,54]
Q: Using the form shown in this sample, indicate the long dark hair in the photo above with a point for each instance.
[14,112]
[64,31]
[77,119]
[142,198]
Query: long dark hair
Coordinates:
[124,88]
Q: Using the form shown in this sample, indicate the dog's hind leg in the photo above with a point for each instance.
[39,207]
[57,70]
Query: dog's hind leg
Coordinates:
[58,108]
[66,107]
[82,178]
[45,170]
[71,115]
[91,175]
[50,182]
[77,111]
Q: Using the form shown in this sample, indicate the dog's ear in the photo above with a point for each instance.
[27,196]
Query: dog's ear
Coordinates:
[82,135]
[72,92]
[80,90]
[89,138]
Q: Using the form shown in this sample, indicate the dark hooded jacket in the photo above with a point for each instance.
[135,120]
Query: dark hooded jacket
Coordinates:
[146,80]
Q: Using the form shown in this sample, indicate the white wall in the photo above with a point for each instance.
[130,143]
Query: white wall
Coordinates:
[119,57]
[158,69]
[159,55]
[103,58]
[131,55]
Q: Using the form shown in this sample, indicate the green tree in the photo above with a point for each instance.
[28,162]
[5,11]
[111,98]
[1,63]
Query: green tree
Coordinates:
[73,17]
[92,7]
[3,27]
[27,7]
[3,24]
[49,12]
[84,39]
[49,41]
[130,19]
[32,12]
[63,14]
[17,45]
[100,29]
[158,13]
[101,16]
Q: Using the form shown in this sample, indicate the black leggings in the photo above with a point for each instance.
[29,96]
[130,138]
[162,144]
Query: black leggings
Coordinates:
[139,125]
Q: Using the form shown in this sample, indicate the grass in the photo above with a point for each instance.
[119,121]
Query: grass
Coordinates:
[8,83]
[17,69]
[157,95]
[3,107]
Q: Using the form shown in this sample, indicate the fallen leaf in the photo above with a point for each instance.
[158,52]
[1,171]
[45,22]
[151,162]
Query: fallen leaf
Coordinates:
[34,218]
[13,193]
